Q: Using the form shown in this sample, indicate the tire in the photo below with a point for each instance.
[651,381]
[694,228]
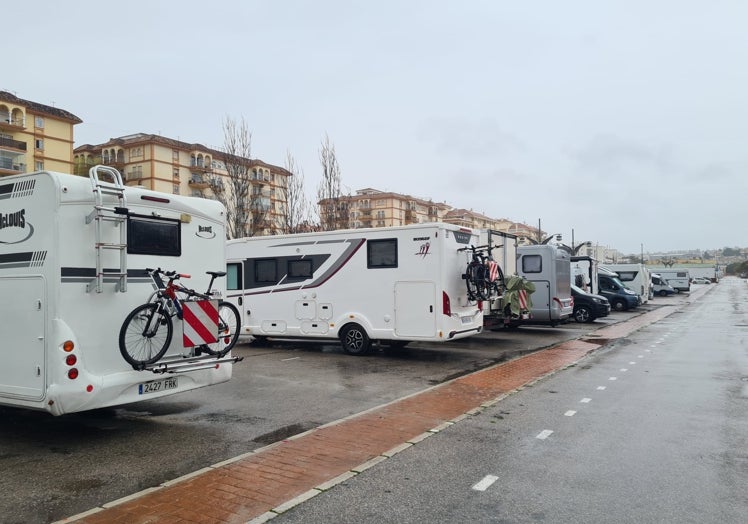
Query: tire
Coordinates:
[618,305]
[140,349]
[229,324]
[663,293]
[354,339]
[583,314]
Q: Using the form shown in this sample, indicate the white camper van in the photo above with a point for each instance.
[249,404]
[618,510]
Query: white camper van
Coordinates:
[636,277]
[678,278]
[391,284]
[73,253]
[549,268]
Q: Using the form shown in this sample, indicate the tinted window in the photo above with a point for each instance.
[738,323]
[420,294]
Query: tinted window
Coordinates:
[154,236]
[266,271]
[299,269]
[532,264]
[381,253]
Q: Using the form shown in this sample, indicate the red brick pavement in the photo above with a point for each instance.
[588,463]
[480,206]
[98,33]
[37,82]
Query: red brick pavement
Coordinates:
[268,481]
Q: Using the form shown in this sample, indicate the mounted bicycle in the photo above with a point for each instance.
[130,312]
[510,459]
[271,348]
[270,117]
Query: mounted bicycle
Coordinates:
[483,276]
[147,331]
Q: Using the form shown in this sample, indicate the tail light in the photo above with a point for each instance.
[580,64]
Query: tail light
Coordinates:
[446,305]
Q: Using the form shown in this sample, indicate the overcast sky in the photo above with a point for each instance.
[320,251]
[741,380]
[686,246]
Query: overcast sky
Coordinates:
[625,121]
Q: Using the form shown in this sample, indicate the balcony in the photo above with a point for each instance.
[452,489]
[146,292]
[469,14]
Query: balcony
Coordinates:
[11,144]
[12,124]
[133,175]
[200,167]
[12,166]
[198,182]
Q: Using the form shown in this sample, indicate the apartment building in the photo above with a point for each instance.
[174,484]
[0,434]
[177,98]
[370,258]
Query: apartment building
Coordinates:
[34,136]
[172,166]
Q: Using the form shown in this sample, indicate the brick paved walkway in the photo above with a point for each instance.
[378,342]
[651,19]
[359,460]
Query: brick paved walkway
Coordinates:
[270,480]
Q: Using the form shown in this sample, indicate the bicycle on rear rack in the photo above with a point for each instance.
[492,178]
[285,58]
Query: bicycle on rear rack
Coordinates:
[147,331]
[483,276]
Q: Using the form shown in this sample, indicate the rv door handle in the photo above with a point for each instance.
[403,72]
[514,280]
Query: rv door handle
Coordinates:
[240,301]
[431,308]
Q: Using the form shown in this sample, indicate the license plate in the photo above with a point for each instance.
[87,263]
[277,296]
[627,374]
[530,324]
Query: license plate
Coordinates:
[154,386]
[467,320]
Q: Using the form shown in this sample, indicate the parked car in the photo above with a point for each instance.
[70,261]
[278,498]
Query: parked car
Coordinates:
[620,297]
[700,280]
[588,307]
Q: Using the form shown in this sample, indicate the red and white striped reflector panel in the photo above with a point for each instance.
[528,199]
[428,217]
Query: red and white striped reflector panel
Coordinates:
[200,322]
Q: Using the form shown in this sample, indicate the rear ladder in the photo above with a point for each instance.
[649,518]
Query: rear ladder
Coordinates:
[107,213]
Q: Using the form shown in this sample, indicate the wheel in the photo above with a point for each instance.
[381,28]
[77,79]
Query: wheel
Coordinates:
[663,293]
[145,335]
[228,330]
[583,314]
[618,305]
[355,340]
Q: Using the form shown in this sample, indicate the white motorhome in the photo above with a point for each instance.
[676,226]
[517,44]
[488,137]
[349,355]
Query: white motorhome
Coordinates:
[73,253]
[391,284]
[636,277]
[678,278]
[585,268]
[549,268]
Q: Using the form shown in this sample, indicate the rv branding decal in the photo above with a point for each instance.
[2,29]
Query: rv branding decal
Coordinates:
[424,249]
[205,232]
[13,227]
[17,189]
[27,259]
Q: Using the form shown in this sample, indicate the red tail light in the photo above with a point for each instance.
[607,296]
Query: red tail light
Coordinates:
[70,360]
[73,374]
[446,305]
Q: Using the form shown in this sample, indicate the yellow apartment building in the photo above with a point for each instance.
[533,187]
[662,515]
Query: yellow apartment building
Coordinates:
[181,168]
[373,208]
[34,136]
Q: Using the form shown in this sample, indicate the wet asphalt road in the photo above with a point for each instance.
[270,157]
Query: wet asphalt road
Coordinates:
[653,428]
[57,467]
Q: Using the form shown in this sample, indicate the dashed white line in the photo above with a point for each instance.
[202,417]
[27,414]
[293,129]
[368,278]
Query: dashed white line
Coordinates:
[570,413]
[287,359]
[585,400]
[624,370]
[601,388]
[613,378]
[544,434]
[632,363]
[485,483]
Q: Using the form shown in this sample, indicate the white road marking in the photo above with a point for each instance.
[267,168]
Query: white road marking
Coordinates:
[613,378]
[601,388]
[647,350]
[570,413]
[544,434]
[585,400]
[485,482]
[287,359]
[632,363]
[640,356]
[624,370]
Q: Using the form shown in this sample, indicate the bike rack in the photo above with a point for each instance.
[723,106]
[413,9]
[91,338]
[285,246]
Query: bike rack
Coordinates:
[184,365]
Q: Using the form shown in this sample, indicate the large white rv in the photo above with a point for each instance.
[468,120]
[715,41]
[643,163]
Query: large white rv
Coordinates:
[392,284]
[549,268]
[678,278]
[635,277]
[73,253]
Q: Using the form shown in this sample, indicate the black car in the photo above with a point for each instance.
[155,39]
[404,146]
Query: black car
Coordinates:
[588,307]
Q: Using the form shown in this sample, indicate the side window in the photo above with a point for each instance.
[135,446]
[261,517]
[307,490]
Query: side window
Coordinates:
[266,271]
[299,269]
[233,277]
[532,264]
[381,253]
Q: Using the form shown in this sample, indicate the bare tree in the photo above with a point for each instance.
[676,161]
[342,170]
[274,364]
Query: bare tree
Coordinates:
[333,206]
[235,189]
[296,206]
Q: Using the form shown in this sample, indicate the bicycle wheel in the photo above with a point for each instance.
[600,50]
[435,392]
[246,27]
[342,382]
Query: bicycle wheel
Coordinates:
[472,289]
[145,335]
[229,324]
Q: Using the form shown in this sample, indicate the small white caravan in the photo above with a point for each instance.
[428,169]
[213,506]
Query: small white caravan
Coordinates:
[678,278]
[73,253]
[391,284]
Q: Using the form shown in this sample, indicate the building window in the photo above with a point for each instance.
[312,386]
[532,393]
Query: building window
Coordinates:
[175,155]
[39,165]
[176,173]
[39,144]
[39,122]
[175,189]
